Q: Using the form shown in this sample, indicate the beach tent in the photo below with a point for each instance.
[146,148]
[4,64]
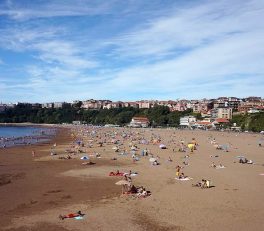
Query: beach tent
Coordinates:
[84,158]
[162,146]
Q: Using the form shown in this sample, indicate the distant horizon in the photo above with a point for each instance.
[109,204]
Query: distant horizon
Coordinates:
[130,100]
[62,50]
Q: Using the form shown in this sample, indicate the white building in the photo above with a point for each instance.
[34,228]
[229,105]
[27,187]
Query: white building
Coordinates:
[187,121]
[252,111]
[138,122]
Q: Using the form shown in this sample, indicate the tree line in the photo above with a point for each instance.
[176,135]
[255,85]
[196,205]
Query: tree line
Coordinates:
[251,122]
[158,115]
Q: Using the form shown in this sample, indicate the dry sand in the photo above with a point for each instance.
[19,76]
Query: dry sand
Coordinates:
[34,191]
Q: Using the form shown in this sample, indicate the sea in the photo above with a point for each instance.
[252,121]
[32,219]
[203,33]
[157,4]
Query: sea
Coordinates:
[24,135]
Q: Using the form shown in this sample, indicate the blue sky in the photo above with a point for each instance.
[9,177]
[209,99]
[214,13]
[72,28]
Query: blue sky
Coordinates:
[64,50]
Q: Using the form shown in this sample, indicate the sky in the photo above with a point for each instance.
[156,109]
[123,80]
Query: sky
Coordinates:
[65,50]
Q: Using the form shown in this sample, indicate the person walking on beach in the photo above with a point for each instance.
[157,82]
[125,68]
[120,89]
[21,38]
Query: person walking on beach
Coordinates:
[33,153]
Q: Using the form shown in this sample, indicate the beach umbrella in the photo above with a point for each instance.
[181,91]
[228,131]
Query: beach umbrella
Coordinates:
[84,158]
[152,159]
[123,183]
[162,146]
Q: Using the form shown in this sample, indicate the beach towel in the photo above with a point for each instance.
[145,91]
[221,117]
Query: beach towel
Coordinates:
[219,167]
[78,218]
[183,179]
[116,174]
[132,174]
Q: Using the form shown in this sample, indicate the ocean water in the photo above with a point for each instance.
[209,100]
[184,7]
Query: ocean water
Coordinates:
[12,131]
[24,135]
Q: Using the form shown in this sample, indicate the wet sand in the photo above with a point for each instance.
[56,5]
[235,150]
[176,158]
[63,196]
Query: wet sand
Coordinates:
[34,191]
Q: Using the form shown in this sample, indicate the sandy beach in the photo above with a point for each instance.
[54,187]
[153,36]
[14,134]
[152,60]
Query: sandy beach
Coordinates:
[34,191]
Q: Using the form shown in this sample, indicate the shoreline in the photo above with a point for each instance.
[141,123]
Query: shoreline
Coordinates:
[26,124]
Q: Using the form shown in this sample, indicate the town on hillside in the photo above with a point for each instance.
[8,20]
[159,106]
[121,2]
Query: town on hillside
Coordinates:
[214,112]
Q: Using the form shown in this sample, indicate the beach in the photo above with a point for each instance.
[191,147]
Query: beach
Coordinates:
[35,190]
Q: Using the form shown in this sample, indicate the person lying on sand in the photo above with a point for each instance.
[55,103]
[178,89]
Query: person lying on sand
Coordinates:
[217,166]
[71,215]
[117,173]
[200,184]
[142,192]
[88,163]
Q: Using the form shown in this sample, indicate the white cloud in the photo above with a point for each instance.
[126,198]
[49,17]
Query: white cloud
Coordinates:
[46,9]
[189,28]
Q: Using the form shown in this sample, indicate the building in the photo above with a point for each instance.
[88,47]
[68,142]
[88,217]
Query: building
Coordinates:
[59,104]
[145,104]
[252,111]
[222,112]
[204,125]
[131,104]
[36,105]
[200,107]
[187,121]
[92,104]
[117,104]
[251,105]
[138,122]
[231,102]
[47,105]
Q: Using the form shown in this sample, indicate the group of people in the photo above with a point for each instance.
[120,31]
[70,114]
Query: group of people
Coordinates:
[203,184]
[245,161]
